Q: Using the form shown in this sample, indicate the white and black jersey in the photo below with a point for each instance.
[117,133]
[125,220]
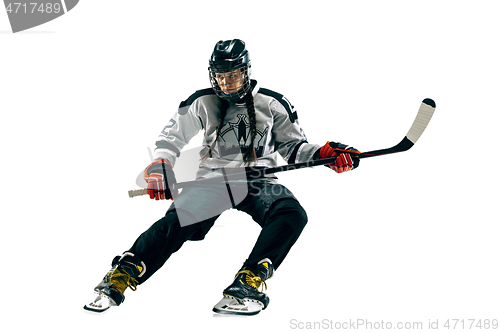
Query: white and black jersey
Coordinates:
[278,131]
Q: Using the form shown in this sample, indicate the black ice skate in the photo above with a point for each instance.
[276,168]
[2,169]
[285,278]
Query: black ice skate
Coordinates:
[124,273]
[242,297]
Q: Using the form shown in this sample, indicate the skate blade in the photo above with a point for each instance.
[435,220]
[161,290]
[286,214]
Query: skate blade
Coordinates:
[234,306]
[100,304]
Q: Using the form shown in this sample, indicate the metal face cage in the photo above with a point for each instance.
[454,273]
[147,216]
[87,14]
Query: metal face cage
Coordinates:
[230,84]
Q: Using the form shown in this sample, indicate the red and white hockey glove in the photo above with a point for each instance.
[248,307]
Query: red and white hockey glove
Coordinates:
[347,157]
[161,180]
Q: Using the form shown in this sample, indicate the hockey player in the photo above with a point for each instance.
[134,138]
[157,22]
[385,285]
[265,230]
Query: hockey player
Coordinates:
[245,125]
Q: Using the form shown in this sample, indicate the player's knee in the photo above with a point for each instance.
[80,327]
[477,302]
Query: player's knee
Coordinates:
[292,213]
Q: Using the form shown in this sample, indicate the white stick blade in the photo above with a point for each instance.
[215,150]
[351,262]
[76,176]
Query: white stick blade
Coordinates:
[424,115]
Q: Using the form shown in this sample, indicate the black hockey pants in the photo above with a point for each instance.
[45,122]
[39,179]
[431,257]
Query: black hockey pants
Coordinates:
[195,210]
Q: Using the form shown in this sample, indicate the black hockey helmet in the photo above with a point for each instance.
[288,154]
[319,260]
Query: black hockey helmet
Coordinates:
[230,69]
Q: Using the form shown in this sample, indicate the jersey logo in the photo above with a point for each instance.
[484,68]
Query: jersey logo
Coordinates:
[235,137]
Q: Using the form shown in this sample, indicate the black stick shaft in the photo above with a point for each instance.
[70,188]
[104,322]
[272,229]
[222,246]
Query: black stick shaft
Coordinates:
[257,173]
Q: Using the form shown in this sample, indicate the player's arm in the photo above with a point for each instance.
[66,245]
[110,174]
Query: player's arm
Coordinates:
[291,141]
[294,148]
[159,175]
[176,134]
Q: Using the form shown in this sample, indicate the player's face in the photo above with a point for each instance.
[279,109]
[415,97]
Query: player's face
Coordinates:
[230,82]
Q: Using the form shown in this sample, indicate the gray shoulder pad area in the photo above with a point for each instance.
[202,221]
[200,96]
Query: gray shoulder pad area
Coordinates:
[184,106]
[280,98]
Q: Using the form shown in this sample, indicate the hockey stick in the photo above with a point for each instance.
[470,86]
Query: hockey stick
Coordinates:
[423,117]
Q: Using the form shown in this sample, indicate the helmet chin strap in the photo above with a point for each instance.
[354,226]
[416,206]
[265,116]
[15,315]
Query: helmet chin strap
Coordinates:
[233,98]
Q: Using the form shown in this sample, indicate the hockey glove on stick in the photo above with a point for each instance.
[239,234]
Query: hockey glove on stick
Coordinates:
[347,157]
[161,180]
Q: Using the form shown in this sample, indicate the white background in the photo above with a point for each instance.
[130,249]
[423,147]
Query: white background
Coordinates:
[405,237]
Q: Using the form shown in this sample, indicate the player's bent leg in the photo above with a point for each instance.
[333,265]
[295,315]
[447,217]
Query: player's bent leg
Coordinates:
[284,223]
[281,228]
[165,237]
[153,247]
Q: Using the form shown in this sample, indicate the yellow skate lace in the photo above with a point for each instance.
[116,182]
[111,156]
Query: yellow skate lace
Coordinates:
[120,281]
[254,280]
